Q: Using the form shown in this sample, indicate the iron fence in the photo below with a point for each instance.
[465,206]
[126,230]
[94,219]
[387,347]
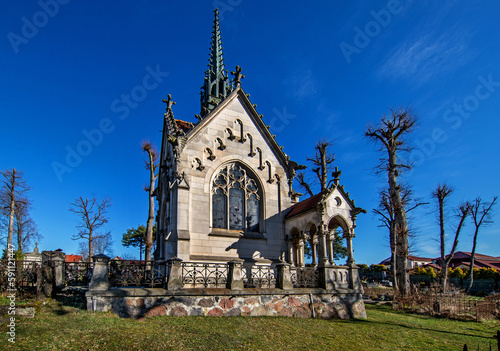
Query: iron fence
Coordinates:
[450,305]
[126,273]
[207,275]
[256,276]
[20,275]
[304,277]
[78,273]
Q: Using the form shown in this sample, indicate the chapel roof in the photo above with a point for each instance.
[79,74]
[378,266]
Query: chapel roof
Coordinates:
[183,125]
[305,205]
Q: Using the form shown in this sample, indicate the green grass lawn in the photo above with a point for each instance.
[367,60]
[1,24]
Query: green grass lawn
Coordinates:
[59,327]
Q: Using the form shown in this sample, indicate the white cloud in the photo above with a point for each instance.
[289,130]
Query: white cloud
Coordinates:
[302,84]
[422,57]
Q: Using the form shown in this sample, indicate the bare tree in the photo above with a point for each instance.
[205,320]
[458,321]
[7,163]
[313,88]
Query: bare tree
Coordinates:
[392,133]
[480,212]
[101,245]
[25,227]
[92,216]
[11,197]
[322,163]
[151,165]
[386,213]
[441,194]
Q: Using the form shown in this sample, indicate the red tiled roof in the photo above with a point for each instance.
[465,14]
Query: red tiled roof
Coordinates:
[460,255]
[387,261]
[304,205]
[435,266]
[416,258]
[185,126]
[73,258]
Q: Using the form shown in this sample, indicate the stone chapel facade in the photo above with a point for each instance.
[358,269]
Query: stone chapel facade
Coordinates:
[225,185]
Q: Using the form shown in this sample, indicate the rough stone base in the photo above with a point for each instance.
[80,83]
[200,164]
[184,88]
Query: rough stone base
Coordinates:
[302,303]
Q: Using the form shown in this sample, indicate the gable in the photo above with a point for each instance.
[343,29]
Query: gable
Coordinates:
[236,120]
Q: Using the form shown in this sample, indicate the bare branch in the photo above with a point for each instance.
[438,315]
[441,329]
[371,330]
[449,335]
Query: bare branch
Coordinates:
[92,216]
[302,182]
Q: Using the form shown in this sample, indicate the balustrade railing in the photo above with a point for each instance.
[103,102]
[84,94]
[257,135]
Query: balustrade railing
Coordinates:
[127,273]
[259,276]
[23,272]
[134,273]
[207,275]
[304,277]
[78,273]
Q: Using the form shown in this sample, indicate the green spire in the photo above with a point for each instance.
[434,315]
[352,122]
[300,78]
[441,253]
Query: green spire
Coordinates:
[216,85]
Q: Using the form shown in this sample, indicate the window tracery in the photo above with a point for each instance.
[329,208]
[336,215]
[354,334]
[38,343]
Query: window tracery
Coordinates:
[235,200]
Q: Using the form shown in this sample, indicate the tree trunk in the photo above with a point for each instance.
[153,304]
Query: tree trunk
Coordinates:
[11,219]
[400,224]
[91,247]
[442,236]
[393,257]
[149,227]
[324,174]
[473,253]
[151,214]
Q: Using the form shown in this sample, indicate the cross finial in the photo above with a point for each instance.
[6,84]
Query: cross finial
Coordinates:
[336,175]
[169,102]
[237,76]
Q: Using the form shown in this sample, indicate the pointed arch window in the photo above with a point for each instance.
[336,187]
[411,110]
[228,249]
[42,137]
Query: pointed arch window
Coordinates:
[236,200]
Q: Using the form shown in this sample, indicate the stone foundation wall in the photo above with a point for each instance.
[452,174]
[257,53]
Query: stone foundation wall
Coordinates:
[306,303]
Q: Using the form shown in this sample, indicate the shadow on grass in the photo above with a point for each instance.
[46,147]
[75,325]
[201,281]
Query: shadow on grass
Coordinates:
[72,298]
[417,327]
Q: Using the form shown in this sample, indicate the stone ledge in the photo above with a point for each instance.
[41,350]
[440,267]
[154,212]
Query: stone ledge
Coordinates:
[142,292]
[237,234]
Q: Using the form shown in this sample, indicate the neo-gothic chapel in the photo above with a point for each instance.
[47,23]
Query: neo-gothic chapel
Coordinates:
[225,185]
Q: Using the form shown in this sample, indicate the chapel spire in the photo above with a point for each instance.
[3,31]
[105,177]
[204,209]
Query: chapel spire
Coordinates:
[216,85]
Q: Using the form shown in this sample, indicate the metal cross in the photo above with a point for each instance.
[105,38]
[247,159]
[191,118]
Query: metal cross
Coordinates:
[237,75]
[336,175]
[169,102]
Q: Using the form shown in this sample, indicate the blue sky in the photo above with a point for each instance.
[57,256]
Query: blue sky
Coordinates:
[83,84]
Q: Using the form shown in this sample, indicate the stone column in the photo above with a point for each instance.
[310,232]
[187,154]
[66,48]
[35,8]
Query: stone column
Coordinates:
[326,278]
[100,273]
[284,278]
[354,281]
[290,252]
[52,274]
[350,256]
[234,276]
[323,259]
[300,254]
[329,245]
[59,272]
[175,274]
[314,242]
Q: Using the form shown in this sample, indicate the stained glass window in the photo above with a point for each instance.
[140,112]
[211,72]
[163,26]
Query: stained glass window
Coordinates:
[252,213]
[235,200]
[219,210]
[236,206]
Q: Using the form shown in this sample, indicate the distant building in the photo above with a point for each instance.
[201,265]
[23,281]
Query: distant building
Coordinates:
[460,259]
[73,258]
[34,256]
[413,261]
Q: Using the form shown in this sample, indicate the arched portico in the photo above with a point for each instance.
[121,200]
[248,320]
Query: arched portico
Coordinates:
[320,238]
[336,222]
